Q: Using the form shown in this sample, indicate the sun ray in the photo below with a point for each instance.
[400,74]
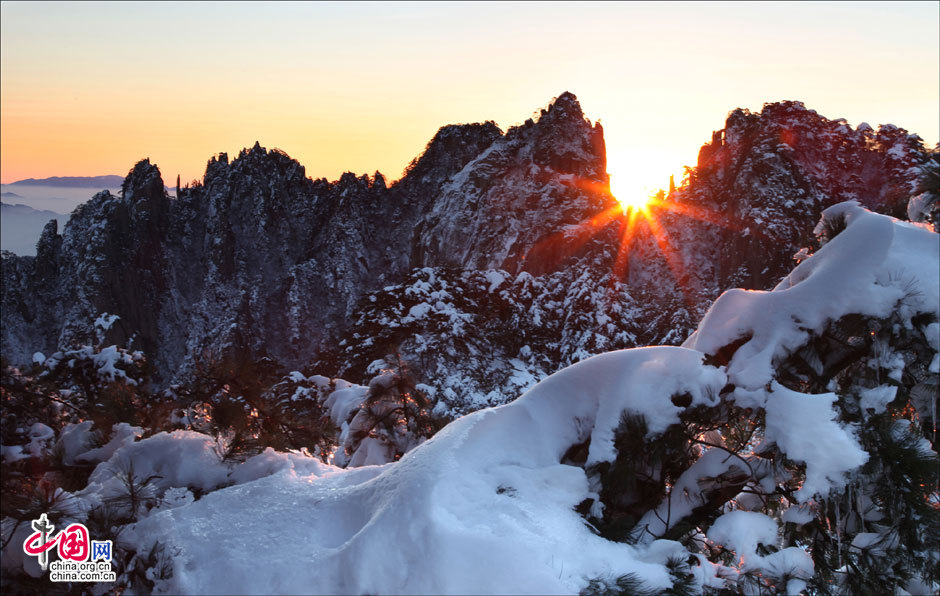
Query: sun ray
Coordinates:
[573,237]
[626,240]
[673,260]
[694,212]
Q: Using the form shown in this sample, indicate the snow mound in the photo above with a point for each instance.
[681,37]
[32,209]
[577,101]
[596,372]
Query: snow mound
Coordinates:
[176,459]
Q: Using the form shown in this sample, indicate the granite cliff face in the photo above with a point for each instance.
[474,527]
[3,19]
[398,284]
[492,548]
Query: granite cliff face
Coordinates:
[473,268]
[524,187]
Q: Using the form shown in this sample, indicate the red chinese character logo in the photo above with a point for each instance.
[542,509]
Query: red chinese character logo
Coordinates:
[40,547]
[73,543]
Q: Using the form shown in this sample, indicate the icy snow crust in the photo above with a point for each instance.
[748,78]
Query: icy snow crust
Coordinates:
[486,506]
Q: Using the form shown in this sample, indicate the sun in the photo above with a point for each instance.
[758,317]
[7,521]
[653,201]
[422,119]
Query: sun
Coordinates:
[635,219]
[631,197]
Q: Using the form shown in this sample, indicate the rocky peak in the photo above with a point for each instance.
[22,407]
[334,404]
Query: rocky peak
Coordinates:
[49,237]
[563,107]
[143,183]
[267,162]
[526,187]
[564,140]
[834,161]
[378,180]
[767,177]
[47,250]
[255,162]
[217,164]
[451,148]
[349,180]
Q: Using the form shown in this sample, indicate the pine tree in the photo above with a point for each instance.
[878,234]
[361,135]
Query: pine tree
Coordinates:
[394,418]
[925,206]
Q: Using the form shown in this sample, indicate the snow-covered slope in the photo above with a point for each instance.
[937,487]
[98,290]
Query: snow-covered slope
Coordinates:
[487,492]
[489,504]
[877,267]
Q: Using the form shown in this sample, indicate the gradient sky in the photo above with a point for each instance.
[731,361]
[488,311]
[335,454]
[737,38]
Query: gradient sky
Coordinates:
[90,88]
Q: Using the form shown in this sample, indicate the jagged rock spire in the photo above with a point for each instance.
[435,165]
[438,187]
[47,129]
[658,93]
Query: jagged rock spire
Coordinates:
[143,182]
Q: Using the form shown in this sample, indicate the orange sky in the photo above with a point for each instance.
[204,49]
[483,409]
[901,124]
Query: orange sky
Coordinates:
[89,89]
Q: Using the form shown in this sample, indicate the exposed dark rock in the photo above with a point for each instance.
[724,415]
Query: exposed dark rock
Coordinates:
[258,259]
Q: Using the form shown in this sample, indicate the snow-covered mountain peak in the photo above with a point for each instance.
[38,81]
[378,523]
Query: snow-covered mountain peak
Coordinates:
[451,148]
[525,188]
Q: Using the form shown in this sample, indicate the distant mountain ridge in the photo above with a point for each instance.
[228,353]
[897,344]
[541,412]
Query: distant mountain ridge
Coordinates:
[476,268]
[21,225]
[99,182]
[20,208]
